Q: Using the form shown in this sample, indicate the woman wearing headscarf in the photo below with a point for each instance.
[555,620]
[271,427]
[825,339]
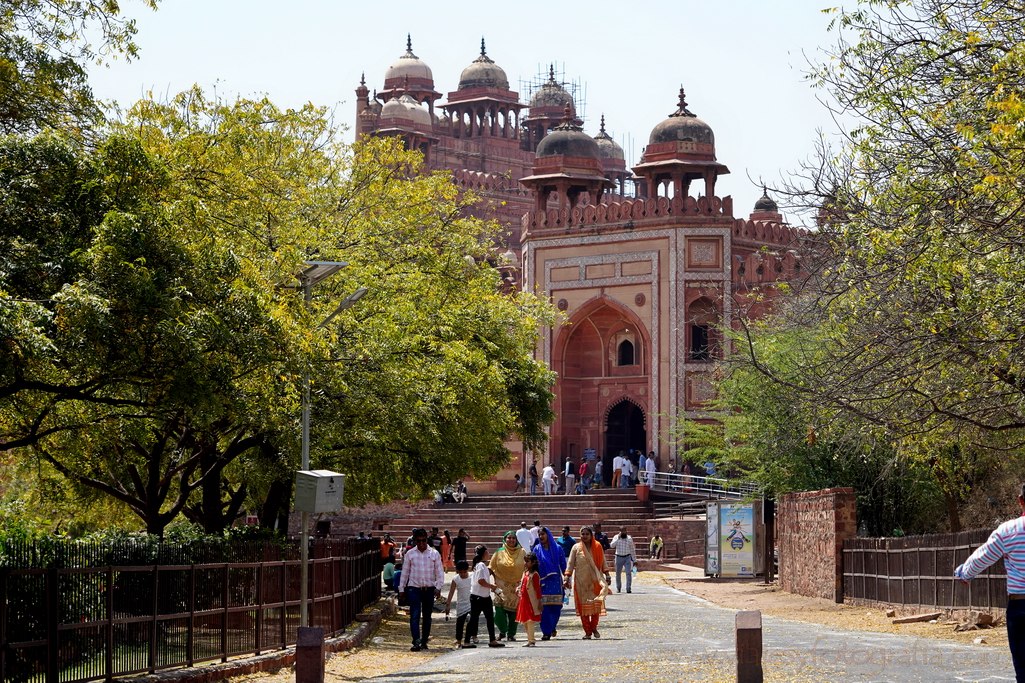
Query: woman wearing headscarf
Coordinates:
[551,563]
[585,566]
[507,568]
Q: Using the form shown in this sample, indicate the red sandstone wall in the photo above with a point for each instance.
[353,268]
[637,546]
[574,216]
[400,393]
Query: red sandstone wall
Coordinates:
[810,530]
[683,538]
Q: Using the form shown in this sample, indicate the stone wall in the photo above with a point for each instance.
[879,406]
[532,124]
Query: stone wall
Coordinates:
[683,538]
[810,530]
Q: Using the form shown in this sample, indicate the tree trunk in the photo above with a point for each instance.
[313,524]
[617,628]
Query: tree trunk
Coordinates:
[274,511]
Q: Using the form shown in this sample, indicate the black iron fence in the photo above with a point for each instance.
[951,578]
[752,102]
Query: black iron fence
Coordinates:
[919,570]
[71,613]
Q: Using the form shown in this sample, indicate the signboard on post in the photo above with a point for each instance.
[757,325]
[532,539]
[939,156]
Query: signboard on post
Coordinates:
[590,454]
[733,537]
[737,539]
[712,549]
[319,490]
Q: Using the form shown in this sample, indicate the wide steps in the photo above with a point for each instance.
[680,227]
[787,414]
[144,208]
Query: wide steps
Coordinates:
[486,517]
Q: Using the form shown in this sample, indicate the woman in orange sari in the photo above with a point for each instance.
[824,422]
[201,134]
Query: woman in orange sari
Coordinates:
[585,568]
[446,551]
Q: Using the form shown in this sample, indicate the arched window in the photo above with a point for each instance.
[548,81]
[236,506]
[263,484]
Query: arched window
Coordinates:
[626,353]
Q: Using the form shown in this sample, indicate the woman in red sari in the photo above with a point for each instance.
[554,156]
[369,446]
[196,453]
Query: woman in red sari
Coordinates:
[585,567]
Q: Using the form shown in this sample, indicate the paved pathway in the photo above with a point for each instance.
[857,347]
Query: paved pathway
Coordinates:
[660,634]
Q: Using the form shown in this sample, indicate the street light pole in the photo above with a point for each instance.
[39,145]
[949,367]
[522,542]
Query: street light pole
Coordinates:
[315,272]
[304,544]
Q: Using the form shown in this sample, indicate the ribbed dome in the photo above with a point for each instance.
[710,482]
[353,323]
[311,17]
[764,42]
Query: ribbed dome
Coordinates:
[407,66]
[682,125]
[568,140]
[765,202]
[552,94]
[607,147]
[483,73]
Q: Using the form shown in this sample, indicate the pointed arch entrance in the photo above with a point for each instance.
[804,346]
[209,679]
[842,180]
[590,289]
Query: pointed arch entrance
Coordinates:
[624,429]
[603,357]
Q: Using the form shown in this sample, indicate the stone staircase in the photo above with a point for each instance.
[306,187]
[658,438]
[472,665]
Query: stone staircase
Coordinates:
[487,517]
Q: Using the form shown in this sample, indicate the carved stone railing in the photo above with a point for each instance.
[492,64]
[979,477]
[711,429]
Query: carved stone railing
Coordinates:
[629,210]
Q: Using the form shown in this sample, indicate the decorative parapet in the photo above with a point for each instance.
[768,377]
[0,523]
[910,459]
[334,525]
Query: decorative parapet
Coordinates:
[628,210]
[781,261]
[481,181]
[769,232]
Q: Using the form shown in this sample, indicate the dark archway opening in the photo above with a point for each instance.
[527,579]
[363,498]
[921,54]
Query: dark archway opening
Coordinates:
[624,430]
[626,353]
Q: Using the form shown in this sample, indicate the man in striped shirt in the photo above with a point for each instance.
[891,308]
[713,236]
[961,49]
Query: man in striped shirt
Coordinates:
[422,578]
[1007,543]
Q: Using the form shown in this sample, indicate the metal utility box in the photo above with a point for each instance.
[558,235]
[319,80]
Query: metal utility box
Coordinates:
[318,490]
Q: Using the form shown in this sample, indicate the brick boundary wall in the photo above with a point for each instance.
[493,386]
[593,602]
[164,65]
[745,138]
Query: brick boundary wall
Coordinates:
[365,625]
[811,527]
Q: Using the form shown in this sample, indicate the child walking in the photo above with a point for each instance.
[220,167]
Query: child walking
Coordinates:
[528,612]
[460,587]
[480,599]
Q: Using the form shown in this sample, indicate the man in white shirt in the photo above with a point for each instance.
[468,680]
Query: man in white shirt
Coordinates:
[617,470]
[423,576]
[535,531]
[548,479]
[628,468]
[650,466]
[623,546]
[524,538]
[569,476]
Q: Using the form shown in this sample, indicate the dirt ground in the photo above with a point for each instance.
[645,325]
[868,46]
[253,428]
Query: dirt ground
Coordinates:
[387,651]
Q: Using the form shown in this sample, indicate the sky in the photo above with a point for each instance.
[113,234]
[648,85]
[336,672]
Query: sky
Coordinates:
[743,63]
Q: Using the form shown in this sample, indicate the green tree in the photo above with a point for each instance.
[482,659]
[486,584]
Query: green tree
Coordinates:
[161,366]
[915,296]
[909,323]
[787,441]
[44,48]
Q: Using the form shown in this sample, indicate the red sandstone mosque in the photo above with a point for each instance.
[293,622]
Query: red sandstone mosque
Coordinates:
[645,262]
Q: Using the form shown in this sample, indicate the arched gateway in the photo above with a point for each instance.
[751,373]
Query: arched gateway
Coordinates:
[603,359]
[624,429]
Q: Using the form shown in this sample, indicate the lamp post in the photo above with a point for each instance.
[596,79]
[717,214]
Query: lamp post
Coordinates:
[314,273]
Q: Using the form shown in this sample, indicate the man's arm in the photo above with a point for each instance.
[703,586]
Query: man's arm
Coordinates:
[404,579]
[984,556]
[439,574]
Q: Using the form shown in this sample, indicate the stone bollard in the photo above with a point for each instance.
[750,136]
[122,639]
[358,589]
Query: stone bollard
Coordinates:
[309,655]
[749,647]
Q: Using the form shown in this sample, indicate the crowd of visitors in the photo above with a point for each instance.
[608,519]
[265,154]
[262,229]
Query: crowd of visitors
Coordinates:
[528,580]
[628,468]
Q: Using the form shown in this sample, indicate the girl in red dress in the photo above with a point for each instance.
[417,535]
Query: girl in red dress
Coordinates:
[528,612]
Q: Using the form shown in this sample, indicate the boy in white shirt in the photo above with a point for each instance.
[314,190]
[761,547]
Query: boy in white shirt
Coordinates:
[460,587]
